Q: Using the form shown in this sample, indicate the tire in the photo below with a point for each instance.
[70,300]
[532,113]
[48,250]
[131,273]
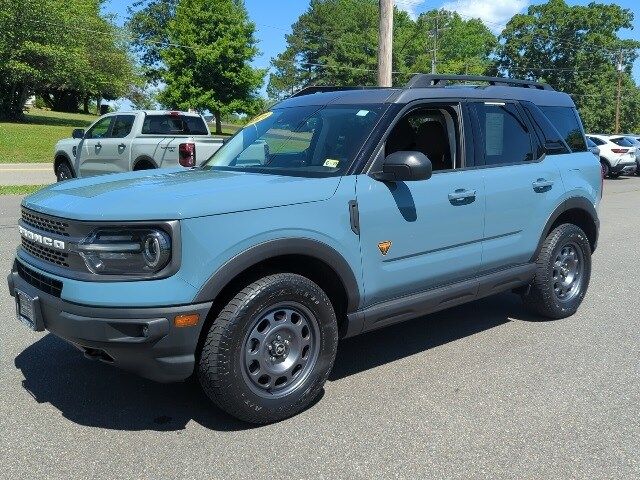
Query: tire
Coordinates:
[605,168]
[545,294]
[237,355]
[63,171]
[614,175]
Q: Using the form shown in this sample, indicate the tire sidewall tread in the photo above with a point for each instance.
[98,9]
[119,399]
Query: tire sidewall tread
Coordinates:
[220,365]
[541,297]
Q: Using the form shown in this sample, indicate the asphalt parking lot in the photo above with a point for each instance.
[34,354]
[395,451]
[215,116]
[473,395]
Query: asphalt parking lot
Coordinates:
[479,391]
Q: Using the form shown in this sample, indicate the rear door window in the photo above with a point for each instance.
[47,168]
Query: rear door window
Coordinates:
[504,135]
[122,126]
[567,122]
[174,125]
[546,131]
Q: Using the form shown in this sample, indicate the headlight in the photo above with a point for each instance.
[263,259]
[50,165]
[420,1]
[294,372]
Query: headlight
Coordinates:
[134,251]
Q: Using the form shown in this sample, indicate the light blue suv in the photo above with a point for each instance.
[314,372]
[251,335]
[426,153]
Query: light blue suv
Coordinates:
[337,212]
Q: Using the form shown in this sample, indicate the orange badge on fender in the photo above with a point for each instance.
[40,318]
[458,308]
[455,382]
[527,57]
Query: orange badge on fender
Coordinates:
[384,247]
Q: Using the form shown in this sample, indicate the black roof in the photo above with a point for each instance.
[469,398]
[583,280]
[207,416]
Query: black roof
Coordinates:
[433,87]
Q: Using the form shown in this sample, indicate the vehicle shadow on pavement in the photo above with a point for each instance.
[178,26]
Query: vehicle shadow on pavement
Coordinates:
[94,394]
[392,343]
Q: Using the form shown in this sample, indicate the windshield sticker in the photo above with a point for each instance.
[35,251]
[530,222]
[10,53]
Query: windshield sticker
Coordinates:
[259,118]
[362,113]
[330,163]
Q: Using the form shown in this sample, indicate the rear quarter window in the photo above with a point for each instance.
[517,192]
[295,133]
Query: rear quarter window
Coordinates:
[567,122]
[173,125]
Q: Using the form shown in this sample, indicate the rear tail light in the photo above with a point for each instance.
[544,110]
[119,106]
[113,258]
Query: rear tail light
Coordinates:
[187,154]
[619,150]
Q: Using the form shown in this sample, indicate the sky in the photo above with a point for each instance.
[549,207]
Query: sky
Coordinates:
[273,18]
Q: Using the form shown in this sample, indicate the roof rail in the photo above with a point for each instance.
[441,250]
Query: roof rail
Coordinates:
[423,80]
[321,89]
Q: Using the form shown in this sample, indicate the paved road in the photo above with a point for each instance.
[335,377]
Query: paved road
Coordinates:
[26,173]
[479,391]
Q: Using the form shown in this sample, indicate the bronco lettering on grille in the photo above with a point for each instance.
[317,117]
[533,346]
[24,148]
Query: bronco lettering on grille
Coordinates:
[41,239]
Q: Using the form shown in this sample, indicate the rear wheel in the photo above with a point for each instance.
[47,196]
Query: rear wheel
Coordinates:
[63,171]
[563,271]
[271,349]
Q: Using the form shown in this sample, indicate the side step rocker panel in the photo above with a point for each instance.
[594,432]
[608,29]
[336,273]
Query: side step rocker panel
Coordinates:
[412,306]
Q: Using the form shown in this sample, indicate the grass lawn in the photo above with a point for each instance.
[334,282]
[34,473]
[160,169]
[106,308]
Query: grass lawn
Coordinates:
[19,189]
[33,139]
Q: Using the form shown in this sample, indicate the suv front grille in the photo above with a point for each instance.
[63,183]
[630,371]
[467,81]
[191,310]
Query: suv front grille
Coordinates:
[45,223]
[41,282]
[45,253]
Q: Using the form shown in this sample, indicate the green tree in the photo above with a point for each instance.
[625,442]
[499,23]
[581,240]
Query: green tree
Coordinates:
[148,25]
[64,50]
[576,49]
[208,58]
[464,47]
[335,43]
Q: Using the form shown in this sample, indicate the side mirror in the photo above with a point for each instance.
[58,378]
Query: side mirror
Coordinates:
[405,167]
[78,133]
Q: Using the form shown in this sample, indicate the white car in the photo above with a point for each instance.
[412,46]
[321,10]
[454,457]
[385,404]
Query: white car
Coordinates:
[617,154]
[138,140]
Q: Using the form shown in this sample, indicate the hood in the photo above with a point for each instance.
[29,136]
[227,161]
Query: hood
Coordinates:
[174,194]
[68,141]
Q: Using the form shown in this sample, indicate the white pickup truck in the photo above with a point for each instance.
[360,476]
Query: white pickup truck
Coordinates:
[138,140]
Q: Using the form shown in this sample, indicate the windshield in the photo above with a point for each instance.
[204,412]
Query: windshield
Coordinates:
[306,140]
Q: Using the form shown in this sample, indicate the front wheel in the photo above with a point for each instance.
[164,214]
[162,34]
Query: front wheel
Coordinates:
[63,172]
[269,352]
[605,168]
[563,271]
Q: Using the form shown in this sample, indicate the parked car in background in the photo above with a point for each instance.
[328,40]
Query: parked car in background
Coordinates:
[617,154]
[635,140]
[593,148]
[138,140]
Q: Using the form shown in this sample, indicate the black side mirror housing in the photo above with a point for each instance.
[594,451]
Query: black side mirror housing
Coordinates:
[78,133]
[405,167]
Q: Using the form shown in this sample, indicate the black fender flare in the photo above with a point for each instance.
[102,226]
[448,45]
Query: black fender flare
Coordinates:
[571,203]
[275,248]
[62,153]
[143,158]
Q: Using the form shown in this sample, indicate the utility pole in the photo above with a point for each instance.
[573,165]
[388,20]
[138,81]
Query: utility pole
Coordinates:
[620,67]
[385,43]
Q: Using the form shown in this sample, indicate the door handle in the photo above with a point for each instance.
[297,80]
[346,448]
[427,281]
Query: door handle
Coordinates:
[462,196]
[98,146]
[542,185]
[122,146]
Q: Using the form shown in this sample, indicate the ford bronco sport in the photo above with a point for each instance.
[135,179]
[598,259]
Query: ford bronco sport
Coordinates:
[367,207]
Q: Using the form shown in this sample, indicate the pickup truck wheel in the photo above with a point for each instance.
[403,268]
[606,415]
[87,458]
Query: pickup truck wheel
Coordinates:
[563,270]
[269,352]
[63,171]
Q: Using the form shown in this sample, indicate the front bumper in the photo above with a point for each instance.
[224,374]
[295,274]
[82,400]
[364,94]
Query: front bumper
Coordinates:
[141,340]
